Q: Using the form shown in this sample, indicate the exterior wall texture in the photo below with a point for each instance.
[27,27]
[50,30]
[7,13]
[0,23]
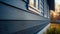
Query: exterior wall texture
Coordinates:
[26,20]
[18,14]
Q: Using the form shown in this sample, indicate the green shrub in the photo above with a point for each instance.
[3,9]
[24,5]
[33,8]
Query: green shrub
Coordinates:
[53,31]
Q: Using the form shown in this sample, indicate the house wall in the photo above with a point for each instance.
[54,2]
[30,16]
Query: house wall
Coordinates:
[17,21]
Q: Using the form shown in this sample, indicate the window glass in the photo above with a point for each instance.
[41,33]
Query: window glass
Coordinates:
[38,4]
[31,3]
[34,3]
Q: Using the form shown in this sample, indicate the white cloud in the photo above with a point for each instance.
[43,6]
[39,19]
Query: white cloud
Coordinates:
[57,1]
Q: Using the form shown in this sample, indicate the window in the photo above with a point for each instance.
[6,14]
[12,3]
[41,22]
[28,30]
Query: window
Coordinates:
[31,3]
[41,7]
[38,4]
[34,3]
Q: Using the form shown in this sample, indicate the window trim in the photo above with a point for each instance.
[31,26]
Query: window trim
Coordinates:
[27,6]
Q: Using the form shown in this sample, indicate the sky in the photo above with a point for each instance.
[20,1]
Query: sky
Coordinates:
[57,1]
